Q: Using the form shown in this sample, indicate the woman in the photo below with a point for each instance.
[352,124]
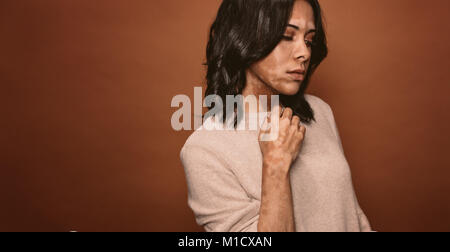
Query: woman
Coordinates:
[299,182]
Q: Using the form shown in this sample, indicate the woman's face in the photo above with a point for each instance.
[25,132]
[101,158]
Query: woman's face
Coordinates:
[284,69]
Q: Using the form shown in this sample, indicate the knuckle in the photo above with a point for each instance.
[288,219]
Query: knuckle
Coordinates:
[286,122]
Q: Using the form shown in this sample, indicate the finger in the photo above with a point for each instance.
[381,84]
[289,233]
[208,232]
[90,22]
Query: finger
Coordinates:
[296,121]
[292,131]
[303,129]
[287,113]
[282,110]
[296,138]
[301,133]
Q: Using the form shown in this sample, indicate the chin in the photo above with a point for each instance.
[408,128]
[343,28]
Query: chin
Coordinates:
[291,88]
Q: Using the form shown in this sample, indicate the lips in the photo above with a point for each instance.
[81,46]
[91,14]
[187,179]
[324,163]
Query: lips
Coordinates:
[298,74]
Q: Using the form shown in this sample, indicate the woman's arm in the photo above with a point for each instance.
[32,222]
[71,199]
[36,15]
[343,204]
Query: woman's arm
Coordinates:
[215,195]
[276,210]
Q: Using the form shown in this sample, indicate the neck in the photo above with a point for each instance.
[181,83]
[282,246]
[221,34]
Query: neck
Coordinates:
[256,87]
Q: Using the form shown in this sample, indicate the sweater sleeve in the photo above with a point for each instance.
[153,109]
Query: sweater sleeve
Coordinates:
[363,221]
[215,195]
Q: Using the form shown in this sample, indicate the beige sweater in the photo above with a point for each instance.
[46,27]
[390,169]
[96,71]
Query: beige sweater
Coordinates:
[224,175]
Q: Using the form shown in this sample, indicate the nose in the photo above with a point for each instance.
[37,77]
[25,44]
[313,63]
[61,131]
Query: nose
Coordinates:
[302,52]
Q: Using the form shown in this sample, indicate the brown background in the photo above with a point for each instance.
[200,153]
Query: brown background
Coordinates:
[86,86]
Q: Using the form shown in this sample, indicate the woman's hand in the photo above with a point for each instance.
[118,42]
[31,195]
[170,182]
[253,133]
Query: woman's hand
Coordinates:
[282,152]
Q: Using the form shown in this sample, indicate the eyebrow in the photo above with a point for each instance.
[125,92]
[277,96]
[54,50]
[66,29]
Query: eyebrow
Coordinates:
[298,28]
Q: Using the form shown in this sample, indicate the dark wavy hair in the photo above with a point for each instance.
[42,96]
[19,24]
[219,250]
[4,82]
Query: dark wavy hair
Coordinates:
[245,32]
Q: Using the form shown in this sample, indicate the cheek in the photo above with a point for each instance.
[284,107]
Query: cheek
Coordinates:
[274,65]
[280,57]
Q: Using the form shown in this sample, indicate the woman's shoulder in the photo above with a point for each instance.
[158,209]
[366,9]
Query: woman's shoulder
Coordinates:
[320,107]
[208,141]
[316,102]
